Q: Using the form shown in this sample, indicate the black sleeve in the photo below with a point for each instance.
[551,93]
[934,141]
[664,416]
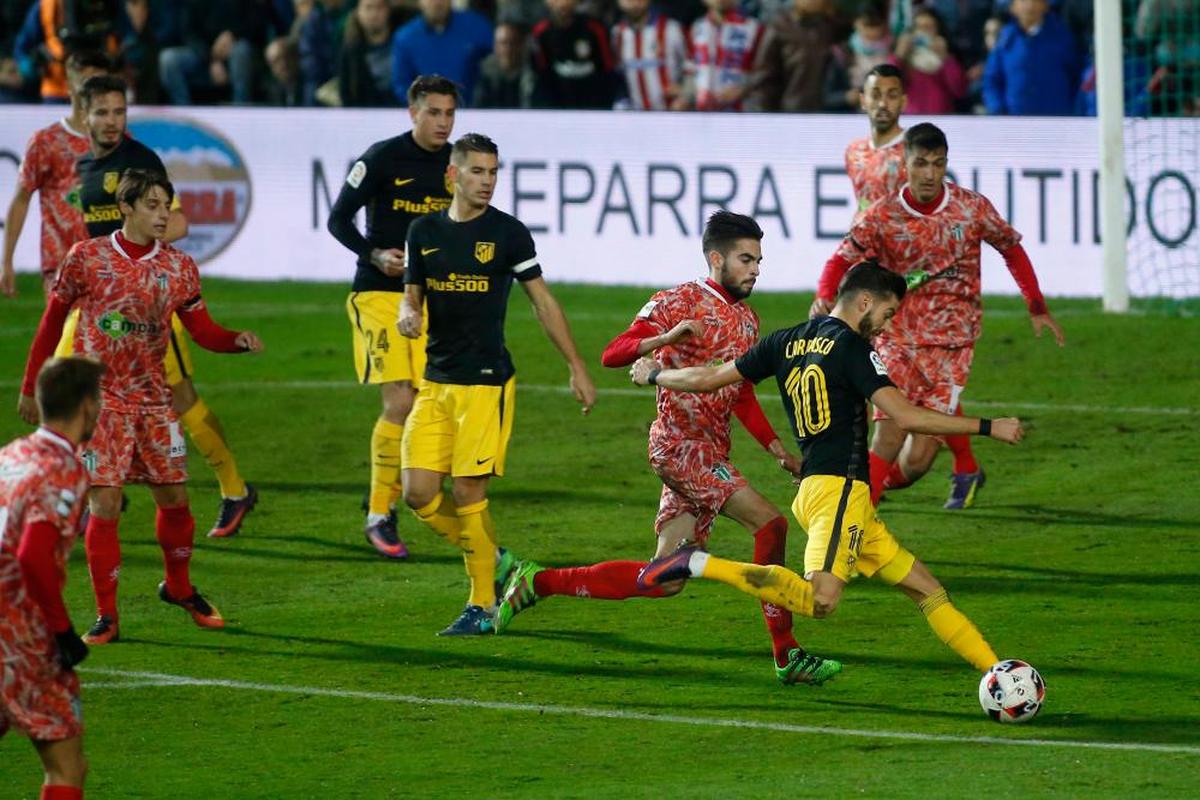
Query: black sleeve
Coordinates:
[522,253]
[864,368]
[762,360]
[360,185]
[414,261]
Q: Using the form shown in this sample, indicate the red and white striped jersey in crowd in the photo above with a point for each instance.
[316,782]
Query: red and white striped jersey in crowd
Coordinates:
[723,54]
[653,57]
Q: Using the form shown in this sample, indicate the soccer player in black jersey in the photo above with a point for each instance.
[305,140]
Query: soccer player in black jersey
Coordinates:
[113,152]
[461,265]
[397,180]
[826,371]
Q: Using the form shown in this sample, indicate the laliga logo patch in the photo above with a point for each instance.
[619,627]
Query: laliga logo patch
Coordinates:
[877,362]
[210,177]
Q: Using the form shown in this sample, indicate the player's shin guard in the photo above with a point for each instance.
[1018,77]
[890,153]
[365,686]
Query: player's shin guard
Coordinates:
[770,547]
[960,446]
[608,580]
[958,632]
[104,562]
[770,584]
[385,465]
[879,470]
[442,515]
[479,554]
[176,531]
[206,433]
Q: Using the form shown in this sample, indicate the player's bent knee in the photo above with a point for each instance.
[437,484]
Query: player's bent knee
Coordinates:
[105,503]
[418,497]
[183,396]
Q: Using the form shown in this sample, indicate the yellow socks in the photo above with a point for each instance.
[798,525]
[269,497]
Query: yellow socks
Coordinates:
[442,515]
[769,583]
[479,553]
[209,439]
[958,632]
[385,465]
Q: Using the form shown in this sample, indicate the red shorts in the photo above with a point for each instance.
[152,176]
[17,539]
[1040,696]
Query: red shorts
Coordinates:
[139,447]
[697,479]
[37,695]
[933,377]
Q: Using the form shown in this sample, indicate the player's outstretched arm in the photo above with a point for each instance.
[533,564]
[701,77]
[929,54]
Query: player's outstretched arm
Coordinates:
[211,336]
[14,220]
[647,372]
[915,419]
[554,323]
[409,323]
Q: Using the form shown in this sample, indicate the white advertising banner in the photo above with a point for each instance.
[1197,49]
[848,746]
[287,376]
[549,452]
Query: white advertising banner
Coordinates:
[620,198]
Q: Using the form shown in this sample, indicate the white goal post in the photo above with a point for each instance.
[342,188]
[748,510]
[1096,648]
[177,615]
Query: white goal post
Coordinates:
[1111,108]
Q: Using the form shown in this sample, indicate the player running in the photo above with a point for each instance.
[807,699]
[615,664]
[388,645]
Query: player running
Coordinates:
[113,152]
[127,286]
[826,371]
[397,180]
[48,168]
[700,322]
[931,232]
[462,263]
[42,488]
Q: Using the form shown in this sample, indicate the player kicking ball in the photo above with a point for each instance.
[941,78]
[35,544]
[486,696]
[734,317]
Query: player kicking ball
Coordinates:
[127,286]
[826,371]
[43,484]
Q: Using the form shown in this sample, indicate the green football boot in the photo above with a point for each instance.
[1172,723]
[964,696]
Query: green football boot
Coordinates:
[518,593]
[802,667]
[506,564]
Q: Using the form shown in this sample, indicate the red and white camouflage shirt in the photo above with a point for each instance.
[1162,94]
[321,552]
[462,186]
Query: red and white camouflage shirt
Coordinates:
[939,255]
[875,172]
[125,315]
[41,480]
[730,329]
[48,168]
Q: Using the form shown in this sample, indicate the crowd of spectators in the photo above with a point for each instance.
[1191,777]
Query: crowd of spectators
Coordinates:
[1022,57]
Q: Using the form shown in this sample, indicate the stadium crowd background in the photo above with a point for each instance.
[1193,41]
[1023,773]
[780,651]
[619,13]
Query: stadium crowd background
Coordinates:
[959,56]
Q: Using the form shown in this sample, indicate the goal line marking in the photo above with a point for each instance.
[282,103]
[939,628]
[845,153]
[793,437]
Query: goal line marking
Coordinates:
[142,680]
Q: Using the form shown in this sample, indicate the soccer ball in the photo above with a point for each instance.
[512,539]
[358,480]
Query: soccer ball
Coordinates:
[1012,691]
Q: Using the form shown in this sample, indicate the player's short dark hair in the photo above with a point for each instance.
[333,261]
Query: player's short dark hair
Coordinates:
[885,71]
[724,228]
[472,143]
[870,276]
[89,59]
[432,84]
[64,383]
[99,85]
[137,183]
[925,136]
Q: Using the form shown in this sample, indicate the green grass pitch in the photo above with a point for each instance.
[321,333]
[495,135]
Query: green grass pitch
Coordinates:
[1081,557]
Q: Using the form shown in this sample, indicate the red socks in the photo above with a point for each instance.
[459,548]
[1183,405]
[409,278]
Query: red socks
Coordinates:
[104,562]
[770,546]
[60,792]
[608,580]
[175,529]
[879,471]
[960,446]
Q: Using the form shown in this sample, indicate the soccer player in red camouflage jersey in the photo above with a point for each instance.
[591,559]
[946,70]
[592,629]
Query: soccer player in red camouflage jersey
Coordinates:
[126,286]
[700,322]
[875,163]
[48,168]
[931,232]
[43,484]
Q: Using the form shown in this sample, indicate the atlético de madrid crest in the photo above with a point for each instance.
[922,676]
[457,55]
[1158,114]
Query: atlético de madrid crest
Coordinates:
[485,251]
[111,179]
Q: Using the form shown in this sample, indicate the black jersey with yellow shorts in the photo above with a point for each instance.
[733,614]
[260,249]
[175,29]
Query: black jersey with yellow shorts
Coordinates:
[396,181]
[98,181]
[462,420]
[826,371]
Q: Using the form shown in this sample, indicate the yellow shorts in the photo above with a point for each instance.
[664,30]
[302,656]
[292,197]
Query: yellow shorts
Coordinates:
[381,353]
[177,364]
[462,431]
[845,535]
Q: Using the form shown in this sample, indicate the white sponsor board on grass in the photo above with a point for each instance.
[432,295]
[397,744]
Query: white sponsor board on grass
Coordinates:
[620,198]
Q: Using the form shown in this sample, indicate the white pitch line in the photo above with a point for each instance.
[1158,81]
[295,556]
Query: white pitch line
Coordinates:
[1015,405]
[162,679]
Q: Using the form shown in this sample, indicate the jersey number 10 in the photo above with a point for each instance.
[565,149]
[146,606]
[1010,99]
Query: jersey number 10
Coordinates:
[810,399]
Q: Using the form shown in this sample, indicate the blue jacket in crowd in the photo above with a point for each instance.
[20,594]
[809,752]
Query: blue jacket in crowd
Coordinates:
[1034,74]
[454,53]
